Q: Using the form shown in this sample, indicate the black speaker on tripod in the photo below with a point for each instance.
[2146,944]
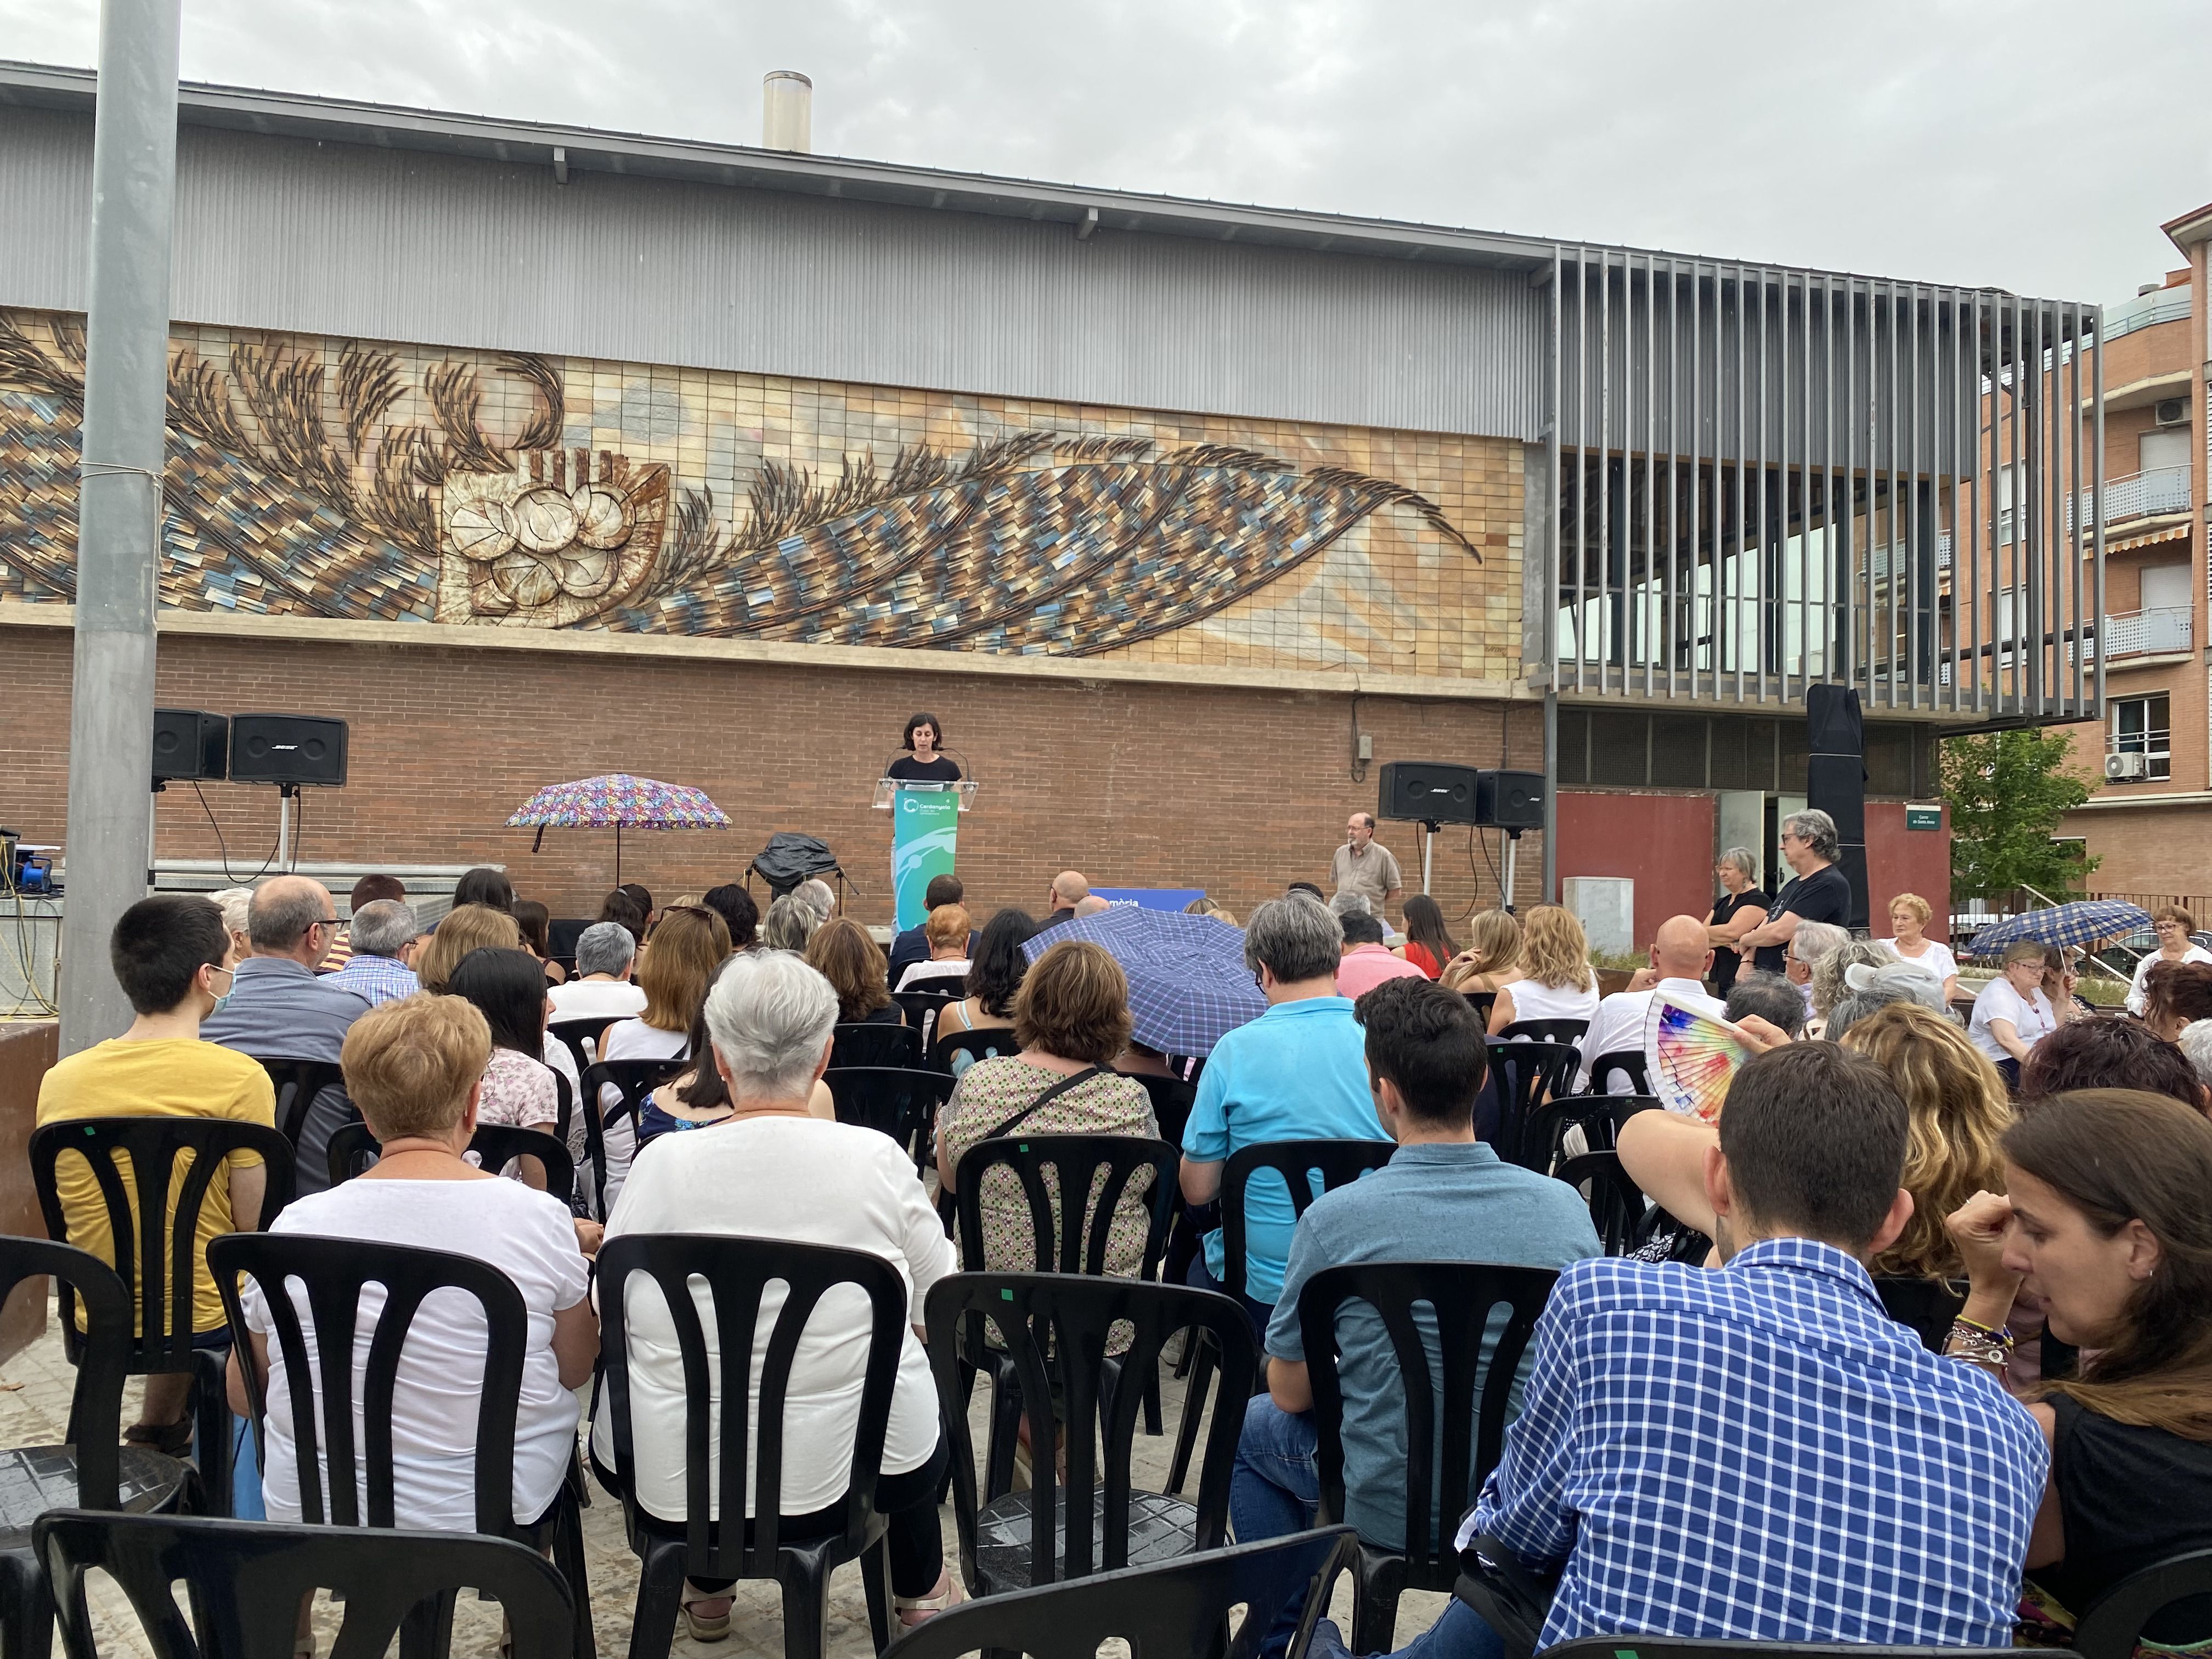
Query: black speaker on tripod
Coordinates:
[190,746]
[291,750]
[1430,792]
[1835,780]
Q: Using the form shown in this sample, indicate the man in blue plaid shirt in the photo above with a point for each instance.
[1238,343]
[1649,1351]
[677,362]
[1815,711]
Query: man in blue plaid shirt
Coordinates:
[1759,1453]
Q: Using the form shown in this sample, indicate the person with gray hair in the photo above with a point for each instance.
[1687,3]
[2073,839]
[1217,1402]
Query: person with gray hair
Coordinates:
[606,956]
[1740,907]
[1829,966]
[1810,942]
[236,903]
[1297,1072]
[771,1169]
[1819,892]
[1769,997]
[790,923]
[1341,905]
[385,931]
[819,894]
[1869,989]
[2195,1041]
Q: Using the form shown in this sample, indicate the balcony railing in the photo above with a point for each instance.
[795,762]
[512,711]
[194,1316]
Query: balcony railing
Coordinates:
[2136,496]
[2146,633]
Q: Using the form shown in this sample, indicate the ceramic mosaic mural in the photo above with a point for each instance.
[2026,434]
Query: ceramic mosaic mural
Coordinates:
[350,479]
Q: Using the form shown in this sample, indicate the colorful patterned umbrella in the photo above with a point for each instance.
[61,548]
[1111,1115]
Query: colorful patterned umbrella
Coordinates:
[2082,922]
[1189,986]
[617,801]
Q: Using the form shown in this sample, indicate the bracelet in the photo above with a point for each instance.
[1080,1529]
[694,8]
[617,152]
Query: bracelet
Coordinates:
[1978,1344]
[1964,1324]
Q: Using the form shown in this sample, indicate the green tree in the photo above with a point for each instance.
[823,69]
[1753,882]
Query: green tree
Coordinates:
[2007,792]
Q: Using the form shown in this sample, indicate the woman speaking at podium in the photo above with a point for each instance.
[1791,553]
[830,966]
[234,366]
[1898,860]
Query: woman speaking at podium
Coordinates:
[922,763]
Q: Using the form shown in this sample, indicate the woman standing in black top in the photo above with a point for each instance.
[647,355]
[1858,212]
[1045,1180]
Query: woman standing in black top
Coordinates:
[1743,907]
[2119,1247]
[922,763]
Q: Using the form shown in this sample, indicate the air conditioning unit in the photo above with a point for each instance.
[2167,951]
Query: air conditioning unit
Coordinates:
[2171,412]
[2126,769]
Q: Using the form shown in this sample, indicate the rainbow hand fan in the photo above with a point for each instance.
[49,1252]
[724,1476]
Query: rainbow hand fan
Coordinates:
[1691,1058]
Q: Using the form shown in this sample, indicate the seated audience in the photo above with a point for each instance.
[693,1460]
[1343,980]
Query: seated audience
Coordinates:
[790,923]
[819,894]
[2176,995]
[621,907]
[602,987]
[172,955]
[487,886]
[1492,960]
[1206,907]
[1341,905]
[2117,1248]
[385,931]
[947,932]
[2061,978]
[536,924]
[1680,956]
[414,1067]
[1812,1411]
[678,966]
[467,928]
[1305,887]
[1828,970]
[237,904]
[994,975]
[508,990]
[1445,1196]
[697,1099]
[641,896]
[279,1009]
[369,889]
[911,946]
[1297,1072]
[1556,982]
[1758,994]
[2196,1043]
[736,907]
[1428,944]
[2011,1013]
[773,1171]
[1873,989]
[1800,952]
[2173,925]
[1367,961]
[2107,1051]
[1091,905]
[842,953]
[1071,1018]
[1068,888]
[1909,915]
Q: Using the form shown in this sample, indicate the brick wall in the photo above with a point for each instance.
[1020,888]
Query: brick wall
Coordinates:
[1234,791]
[2151,850]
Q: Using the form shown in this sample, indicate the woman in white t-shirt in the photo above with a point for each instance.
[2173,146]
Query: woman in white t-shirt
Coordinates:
[771,1169]
[1556,982]
[2011,1014]
[1909,915]
[2173,925]
[414,1066]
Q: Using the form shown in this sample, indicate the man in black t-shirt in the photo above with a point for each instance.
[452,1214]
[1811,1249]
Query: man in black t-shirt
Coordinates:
[1821,891]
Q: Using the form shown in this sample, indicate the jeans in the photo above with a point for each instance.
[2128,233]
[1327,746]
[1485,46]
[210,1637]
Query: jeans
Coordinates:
[1460,1633]
[1275,1487]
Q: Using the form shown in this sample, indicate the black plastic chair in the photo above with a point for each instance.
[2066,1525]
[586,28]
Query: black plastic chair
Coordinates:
[1177,1607]
[2114,1622]
[1103,1169]
[88,1470]
[635,1079]
[581,1037]
[246,1580]
[1928,1305]
[992,1042]
[334,1272]
[1544,1134]
[1527,1074]
[1339,1164]
[737,1271]
[1172,1099]
[1617,1203]
[1445,1467]
[1545,1030]
[353,1149]
[1626,1063]
[158,1270]
[892,1100]
[1054,1329]
[297,1082]
[896,1046]
[1482,1002]
[922,1008]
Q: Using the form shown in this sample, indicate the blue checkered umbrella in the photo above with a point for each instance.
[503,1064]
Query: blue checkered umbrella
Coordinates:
[1188,985]
[2084,922]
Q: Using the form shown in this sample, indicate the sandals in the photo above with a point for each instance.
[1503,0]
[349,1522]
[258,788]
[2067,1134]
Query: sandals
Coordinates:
[706,1616]
[928,1606]
[170,1439]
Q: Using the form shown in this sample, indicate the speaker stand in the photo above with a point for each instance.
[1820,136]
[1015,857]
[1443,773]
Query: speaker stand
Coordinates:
[1429,828]
[285,793]
[1512,852]
[153,816]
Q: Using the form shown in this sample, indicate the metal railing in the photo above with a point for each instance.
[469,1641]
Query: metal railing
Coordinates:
[2136,495]
[2146,633]
[2166,305]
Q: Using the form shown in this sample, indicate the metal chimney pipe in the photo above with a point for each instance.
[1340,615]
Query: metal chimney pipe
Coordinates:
[787,110]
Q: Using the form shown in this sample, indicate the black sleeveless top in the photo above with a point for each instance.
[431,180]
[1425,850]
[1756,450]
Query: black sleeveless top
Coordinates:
[2128,1497]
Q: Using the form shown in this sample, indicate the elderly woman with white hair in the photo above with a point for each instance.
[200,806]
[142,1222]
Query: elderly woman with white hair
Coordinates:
[772,1169]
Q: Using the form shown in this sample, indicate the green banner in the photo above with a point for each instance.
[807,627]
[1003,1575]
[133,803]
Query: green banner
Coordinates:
[925,823]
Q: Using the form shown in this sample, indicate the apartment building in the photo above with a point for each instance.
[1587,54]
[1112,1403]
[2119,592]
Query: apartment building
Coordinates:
[2151,757]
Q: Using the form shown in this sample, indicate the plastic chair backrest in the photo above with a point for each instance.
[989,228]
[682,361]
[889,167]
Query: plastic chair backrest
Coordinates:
[353,1148]
[1928,1305]
[1545,1030]
[922,1007]
[897,1046]
[1179,1606]
[1172,1099]
[246,1580]
[297,1082]
[2114,1621]
[1055,1329]
[576,1033]
[635,1079]
[104,1354]
[1461,1295]
[1543,1134]
[156,1270]
[1103,1168]
[890,1099]
[1616,1202]
[989,1043]
[737,1271]
[567,1096]
[1527,1074]
[333,1272]
[1339,1164]
[1482,1002]
[1628,1063]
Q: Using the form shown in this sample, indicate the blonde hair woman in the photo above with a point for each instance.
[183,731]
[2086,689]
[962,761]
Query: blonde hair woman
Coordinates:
[1492,960]
[1959,1110]
[1556,982]
[675,971]
[1909,915]
[466,927]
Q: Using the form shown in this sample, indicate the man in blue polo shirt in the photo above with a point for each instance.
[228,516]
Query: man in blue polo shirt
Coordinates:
[1445,1196]
[1297,1072]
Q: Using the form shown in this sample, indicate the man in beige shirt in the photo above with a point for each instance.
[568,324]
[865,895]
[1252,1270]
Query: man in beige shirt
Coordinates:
[1364,867]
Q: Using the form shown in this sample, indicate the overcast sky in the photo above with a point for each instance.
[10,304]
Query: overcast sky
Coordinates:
[2032,144]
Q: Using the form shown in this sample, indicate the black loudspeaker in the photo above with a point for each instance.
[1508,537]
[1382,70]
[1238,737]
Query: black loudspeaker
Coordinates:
[190,746]
[1835,780]
[1510,800]
[288,749]
[1414,790]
